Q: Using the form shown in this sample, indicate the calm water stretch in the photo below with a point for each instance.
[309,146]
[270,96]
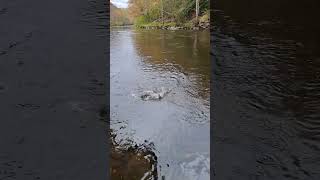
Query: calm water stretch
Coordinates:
[177,127]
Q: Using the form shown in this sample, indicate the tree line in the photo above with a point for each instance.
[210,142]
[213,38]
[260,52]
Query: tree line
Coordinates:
[119,16]
[164,11]
[185,13]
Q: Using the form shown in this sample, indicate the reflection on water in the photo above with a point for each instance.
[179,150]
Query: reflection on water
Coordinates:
[176,128]
[183,51]
[267,70]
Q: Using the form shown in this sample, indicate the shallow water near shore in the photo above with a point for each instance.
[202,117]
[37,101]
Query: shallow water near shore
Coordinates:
[176,127]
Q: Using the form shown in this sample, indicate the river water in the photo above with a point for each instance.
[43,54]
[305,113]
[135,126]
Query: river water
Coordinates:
[178,126]
[266,78]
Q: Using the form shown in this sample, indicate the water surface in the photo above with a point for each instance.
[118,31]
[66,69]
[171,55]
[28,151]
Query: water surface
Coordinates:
[177,127]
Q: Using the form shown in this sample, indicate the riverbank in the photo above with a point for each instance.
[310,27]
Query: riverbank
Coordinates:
[132,161]
[122,26]
[204,23]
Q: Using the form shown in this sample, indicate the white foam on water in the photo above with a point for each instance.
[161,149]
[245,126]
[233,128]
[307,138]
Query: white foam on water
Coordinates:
[197,167]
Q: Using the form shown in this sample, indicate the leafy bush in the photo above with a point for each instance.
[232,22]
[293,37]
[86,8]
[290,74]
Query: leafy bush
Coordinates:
[140,21]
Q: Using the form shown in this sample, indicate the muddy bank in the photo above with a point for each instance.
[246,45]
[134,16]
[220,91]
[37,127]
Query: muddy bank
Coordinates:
[132,161]
[53,57]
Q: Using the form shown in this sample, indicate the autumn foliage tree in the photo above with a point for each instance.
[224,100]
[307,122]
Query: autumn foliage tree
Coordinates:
[119,17]
[178,11]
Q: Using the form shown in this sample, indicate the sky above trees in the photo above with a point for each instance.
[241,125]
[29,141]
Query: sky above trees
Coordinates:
[120,3]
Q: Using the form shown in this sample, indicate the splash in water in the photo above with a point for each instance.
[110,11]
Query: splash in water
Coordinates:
[156,94]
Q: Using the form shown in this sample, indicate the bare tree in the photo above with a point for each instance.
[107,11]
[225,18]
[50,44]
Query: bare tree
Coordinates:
[197,10]
[162,12]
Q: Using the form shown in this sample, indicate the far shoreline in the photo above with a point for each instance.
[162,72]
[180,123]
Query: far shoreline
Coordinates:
[172,28]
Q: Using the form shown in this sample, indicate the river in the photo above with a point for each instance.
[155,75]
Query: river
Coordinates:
[266,78]
[178,126]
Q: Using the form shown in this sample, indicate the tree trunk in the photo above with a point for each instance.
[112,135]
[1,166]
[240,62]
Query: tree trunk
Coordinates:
[197,11]
[162,13]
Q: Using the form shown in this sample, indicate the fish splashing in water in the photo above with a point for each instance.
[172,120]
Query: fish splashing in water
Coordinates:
[156,94]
